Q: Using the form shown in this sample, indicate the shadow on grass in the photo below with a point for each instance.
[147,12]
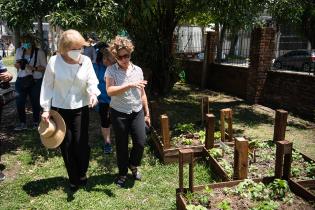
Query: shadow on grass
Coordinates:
[95,183]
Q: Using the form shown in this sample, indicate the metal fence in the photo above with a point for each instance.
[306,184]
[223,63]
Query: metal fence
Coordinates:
[189,41]
[235,48]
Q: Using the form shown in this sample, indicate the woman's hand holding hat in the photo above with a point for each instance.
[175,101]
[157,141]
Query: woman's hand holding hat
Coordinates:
[45,116]
[93,101]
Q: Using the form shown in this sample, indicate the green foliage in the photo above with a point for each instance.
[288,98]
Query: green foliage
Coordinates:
[310,169]
[187,141]
[252,190]
[267,205]
[202,136]
[101,16]
[193,207]
[184,128]
[226,166]
[217,135]
[224,205]
[279,189]
[182,76]
[216,153]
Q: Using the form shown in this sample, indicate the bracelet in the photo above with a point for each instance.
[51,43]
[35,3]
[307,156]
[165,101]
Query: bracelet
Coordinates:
[147,116]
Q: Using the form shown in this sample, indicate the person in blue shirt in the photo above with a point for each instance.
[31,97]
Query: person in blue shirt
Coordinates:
[104,58]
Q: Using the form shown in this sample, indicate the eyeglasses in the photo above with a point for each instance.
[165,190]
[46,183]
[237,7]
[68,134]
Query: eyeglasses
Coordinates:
[120,57]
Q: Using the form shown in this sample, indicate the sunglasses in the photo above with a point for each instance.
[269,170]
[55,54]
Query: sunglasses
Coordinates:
[120,57]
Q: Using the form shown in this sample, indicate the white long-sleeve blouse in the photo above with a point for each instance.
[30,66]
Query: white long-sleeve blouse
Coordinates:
[68,86]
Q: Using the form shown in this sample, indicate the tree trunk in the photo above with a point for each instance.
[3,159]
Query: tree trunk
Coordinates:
[17,37]
[219,52]
[41,34]
[233,44]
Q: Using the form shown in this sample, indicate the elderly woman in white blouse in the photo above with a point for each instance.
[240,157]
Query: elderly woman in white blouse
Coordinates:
[70,88]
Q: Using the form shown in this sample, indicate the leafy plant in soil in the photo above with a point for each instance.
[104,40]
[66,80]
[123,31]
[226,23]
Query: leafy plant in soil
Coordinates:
[266,205]
[224,205]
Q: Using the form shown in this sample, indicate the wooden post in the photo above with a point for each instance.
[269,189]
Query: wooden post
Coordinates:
[226,114]
[154,113]
[186,156]
[280,125]
[240,158]
[165,129]
[283,159]
[210,124]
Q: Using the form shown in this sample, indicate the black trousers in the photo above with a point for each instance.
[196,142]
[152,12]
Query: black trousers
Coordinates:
[75,148]
[123,125]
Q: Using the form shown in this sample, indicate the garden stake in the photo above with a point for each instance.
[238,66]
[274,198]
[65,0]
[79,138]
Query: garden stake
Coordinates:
[283,159]
[186,156]
[280,125]
[210,123]
[240,158]
[165,131]
[204,109]
[226,114]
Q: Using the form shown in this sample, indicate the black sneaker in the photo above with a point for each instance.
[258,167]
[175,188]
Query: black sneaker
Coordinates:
[2,176]
[121,181]
[135,173]
[107,148]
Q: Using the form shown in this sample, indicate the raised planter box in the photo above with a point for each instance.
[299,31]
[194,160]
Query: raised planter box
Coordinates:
[297,189]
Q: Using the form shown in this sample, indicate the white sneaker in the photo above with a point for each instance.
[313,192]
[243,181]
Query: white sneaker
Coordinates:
[20,127]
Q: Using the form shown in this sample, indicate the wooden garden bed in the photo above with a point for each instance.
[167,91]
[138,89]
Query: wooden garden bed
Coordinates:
[250,192]
[220,194]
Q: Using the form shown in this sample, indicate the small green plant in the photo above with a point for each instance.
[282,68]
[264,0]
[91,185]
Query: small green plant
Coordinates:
[187,141]
[217,135]
[202,136]
[193,207]
[224,205]
[184,128]
[216,153]
[252,190]
[295,171]
[204,200]
[279,189]
[267,205]
[227,167]
[310,169]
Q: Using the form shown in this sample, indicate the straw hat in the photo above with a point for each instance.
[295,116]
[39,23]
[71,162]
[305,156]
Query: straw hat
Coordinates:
[53,132]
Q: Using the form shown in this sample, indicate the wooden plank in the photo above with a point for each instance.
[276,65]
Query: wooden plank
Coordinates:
[210,125]
[240,158]
[165,131]
[218,170]
[299,190]
[280,125]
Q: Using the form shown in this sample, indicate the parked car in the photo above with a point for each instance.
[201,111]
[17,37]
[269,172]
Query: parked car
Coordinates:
[300,59]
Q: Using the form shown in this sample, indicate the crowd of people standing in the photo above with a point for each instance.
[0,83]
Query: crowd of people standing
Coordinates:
[76,79]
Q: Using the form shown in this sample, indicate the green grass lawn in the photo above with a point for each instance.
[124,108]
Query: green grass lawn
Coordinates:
[37,179]
[8,60]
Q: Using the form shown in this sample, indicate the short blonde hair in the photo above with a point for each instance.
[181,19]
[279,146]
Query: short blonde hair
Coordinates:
[120,43]
[69,38]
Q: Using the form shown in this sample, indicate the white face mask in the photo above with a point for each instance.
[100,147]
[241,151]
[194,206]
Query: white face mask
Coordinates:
[74,54]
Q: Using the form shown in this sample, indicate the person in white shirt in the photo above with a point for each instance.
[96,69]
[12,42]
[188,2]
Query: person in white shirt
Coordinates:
[30,63]
[70,88]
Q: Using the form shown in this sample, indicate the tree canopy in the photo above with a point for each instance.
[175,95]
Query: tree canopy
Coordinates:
[151,23]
